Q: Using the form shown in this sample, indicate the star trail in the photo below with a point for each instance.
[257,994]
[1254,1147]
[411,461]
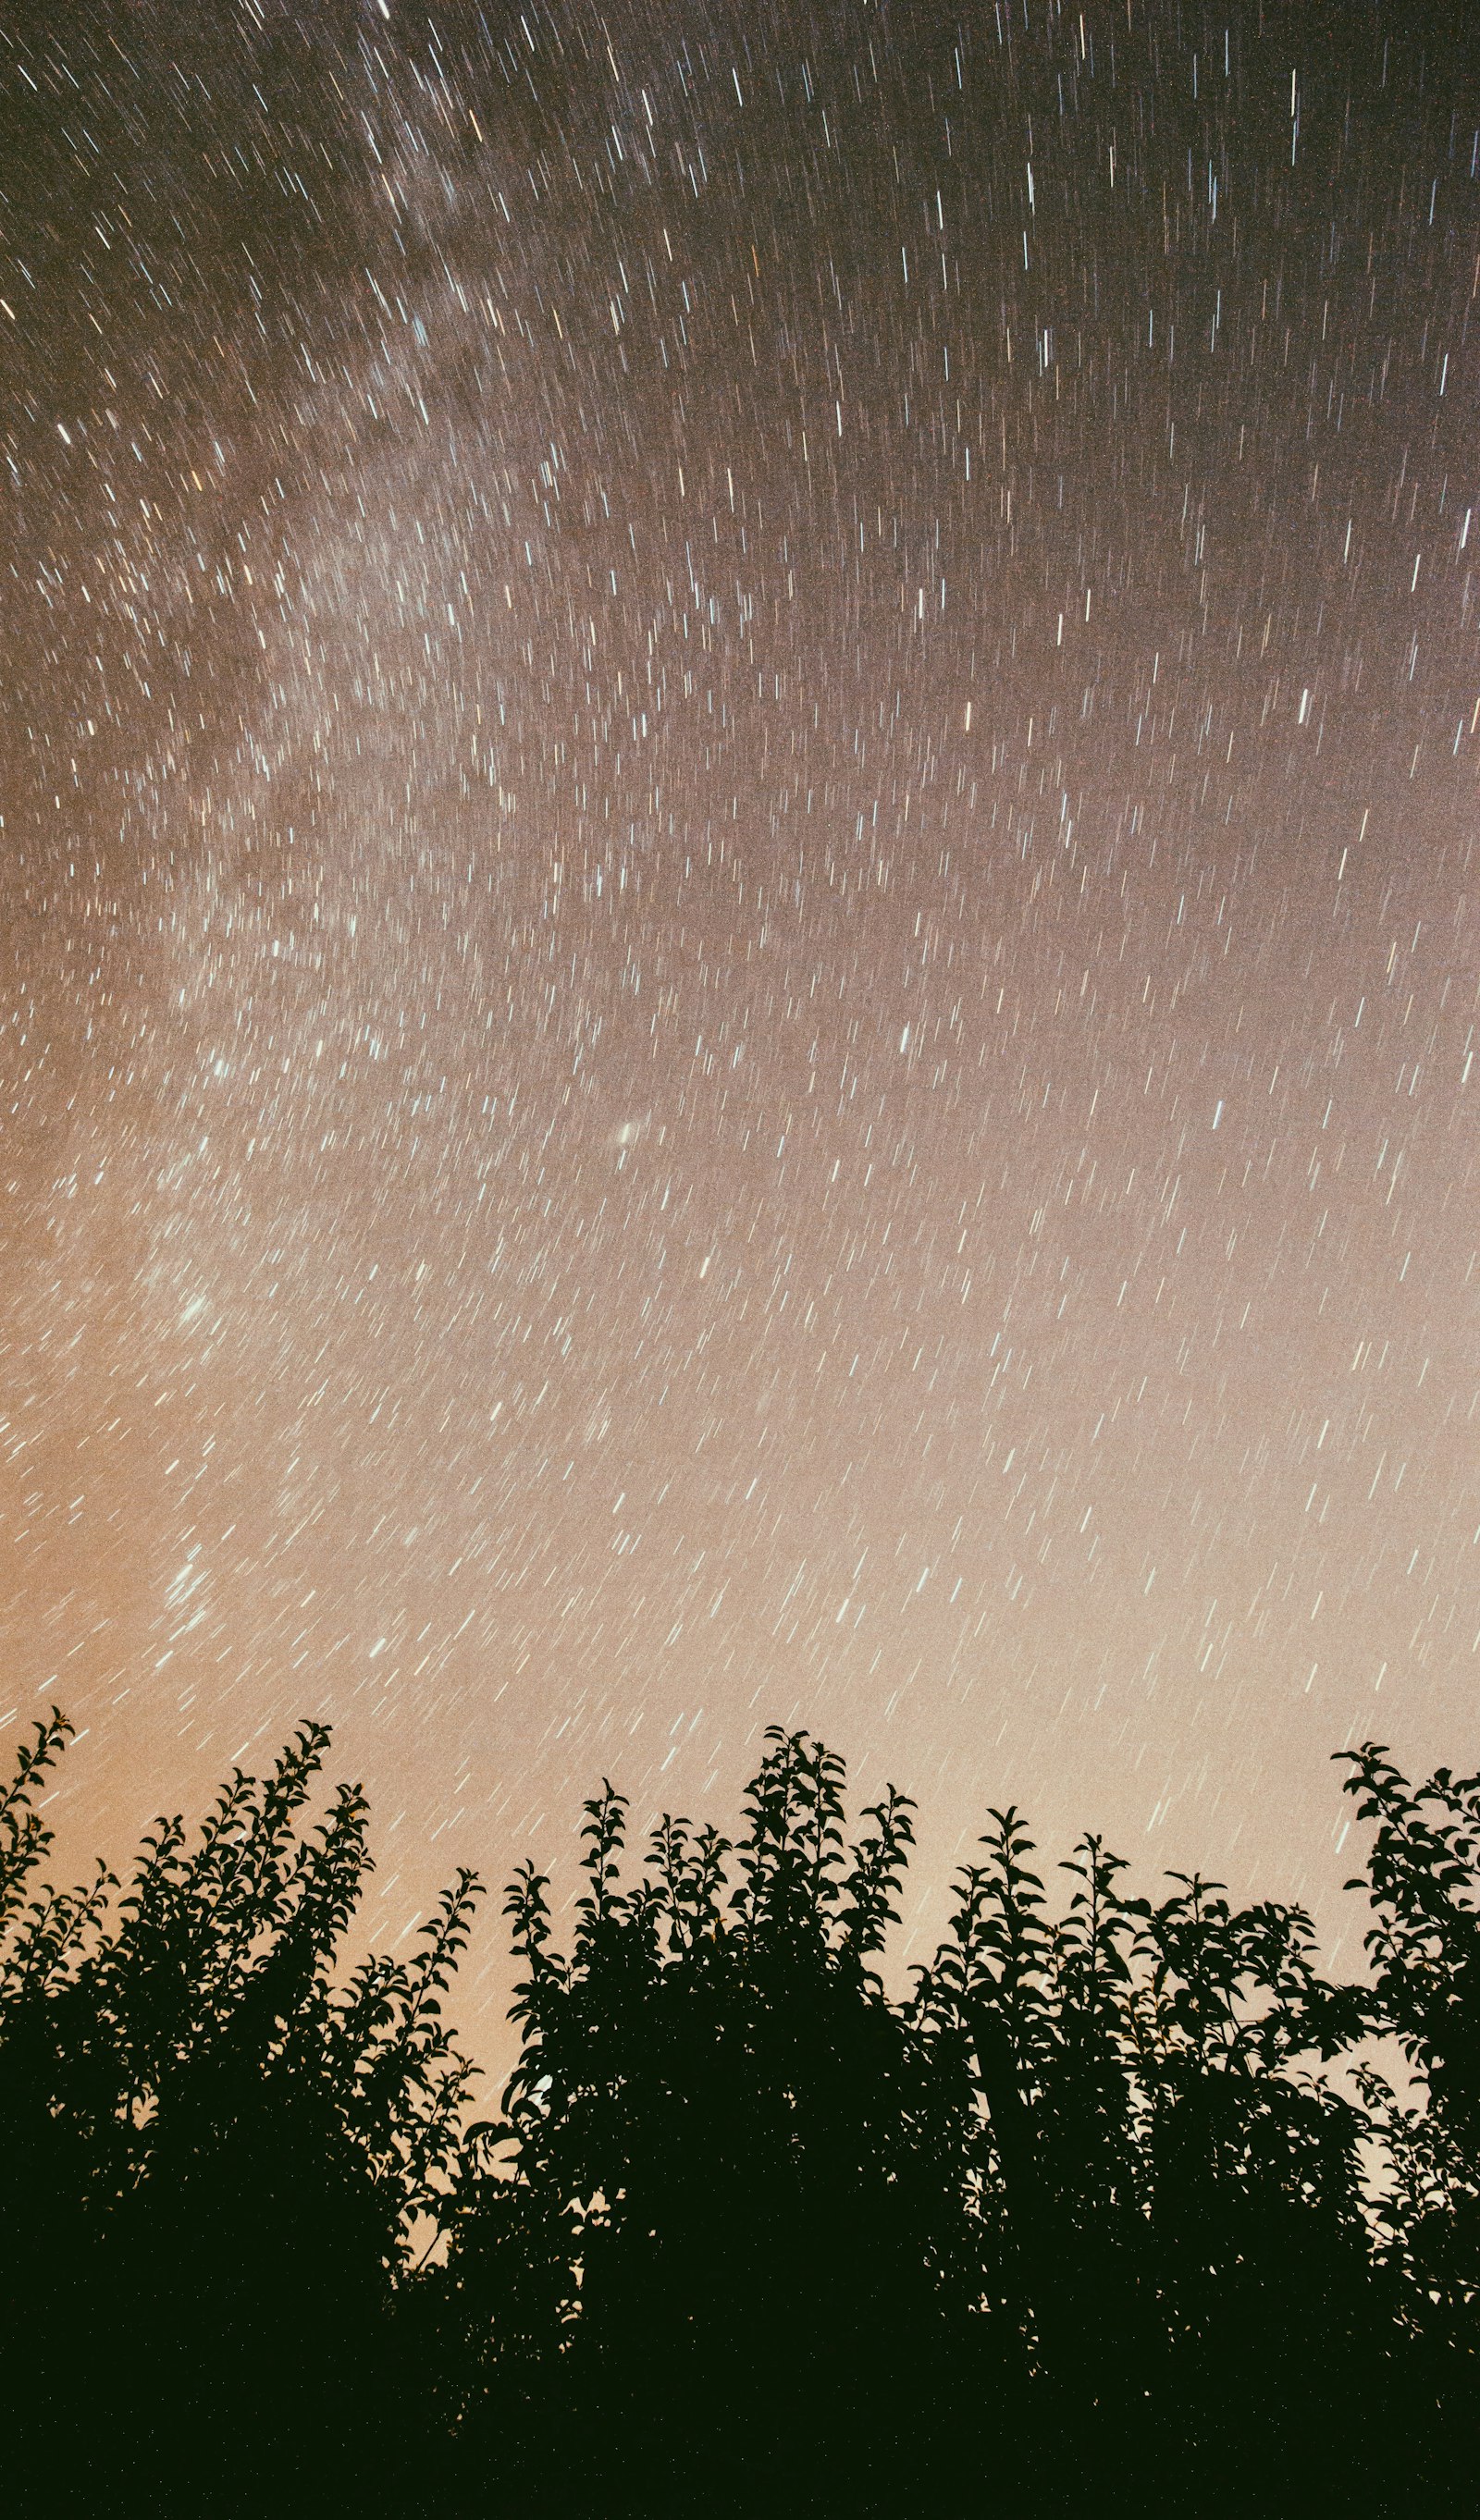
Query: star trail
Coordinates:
[738,929]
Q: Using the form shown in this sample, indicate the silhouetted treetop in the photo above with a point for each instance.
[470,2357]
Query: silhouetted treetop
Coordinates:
[1115,2206]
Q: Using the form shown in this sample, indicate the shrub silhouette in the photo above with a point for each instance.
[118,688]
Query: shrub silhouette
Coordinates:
[214,2149]
[714,2134]
[1114,2206]
[1422,1881]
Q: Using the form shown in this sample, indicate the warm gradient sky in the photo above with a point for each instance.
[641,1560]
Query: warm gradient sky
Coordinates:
[738,913]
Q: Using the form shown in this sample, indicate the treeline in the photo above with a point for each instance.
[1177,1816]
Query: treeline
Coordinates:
[1114,2212]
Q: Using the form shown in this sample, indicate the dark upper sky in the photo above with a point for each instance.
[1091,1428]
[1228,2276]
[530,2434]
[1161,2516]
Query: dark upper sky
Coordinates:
[738,910]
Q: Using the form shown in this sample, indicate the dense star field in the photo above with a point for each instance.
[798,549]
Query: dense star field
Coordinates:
[738,919]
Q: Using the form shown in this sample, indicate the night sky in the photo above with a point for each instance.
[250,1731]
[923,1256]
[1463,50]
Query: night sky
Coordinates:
[738,912]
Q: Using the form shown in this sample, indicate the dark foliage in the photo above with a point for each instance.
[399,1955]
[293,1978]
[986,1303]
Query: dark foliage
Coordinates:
[215,2150]
[1114,2210]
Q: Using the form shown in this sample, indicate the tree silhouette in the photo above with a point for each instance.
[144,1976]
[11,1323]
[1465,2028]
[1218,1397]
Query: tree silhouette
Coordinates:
[1117,2206]
[711,2113]
[215,2148]
[1422,1880]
